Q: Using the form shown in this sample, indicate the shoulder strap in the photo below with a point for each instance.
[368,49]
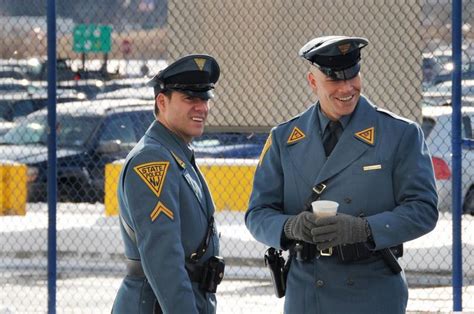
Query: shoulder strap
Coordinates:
[196,256]
[316,192]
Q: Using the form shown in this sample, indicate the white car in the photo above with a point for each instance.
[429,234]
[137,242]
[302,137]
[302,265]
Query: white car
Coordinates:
[441,92]
[437,128]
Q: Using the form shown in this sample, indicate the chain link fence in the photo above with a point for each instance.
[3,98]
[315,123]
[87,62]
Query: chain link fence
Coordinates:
[107,50]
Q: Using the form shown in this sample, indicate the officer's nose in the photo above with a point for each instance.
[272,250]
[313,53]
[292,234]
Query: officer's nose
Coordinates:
[201,105]
[346,86]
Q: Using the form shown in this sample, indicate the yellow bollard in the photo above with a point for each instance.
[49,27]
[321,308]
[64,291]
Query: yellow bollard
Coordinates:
[112,174]
[13,188]
[230,181]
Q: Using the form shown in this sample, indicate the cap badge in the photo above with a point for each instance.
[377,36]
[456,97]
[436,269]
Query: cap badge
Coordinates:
[153,174]
[265,149]
[200,62]
[344,48]
[295,136]
[366,136]
[161,208]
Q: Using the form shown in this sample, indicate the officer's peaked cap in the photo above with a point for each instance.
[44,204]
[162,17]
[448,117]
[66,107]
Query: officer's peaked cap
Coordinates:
[336,56]
[194,75]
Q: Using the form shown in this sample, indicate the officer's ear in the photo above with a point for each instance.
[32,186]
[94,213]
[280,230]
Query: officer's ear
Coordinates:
[162,101]
[312,81]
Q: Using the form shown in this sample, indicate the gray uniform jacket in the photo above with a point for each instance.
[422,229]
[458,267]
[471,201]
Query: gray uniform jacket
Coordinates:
[381,169]
[166,201]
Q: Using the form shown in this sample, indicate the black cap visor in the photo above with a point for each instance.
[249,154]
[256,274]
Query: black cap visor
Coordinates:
[203,94]
[341,75]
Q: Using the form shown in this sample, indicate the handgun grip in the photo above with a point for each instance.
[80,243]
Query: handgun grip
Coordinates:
[391,260]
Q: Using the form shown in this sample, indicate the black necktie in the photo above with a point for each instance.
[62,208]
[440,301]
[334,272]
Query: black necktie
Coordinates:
[334,130]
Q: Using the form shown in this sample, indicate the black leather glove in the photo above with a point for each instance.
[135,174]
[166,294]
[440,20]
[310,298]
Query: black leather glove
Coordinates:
[299,227]
[340,229]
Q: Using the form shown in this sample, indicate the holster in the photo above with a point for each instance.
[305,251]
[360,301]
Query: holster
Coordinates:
[211,274]
[278,269]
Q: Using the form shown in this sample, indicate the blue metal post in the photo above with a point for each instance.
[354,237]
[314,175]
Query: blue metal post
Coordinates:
[52,186]
[456,149]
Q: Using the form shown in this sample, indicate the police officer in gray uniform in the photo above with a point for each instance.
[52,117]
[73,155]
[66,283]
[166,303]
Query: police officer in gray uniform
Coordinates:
[374,163]
[166,211]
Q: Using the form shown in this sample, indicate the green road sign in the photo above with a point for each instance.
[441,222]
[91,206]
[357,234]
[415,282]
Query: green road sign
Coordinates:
[92,38]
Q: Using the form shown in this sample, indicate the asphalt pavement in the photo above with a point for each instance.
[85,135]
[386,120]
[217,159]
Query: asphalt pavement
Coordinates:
[90,264]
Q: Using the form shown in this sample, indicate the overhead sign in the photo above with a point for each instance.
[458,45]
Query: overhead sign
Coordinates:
[92,38]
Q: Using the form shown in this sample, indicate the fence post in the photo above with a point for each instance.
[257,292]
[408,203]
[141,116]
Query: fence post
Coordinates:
[52,171]
[456,150]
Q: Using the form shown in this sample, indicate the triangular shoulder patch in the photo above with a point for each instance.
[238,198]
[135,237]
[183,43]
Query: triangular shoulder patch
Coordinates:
[153,174]
[295,136]
[366,136]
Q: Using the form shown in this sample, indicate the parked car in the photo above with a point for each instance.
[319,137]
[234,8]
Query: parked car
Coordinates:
[239,145]
[12,71]
[8,85]
[132,82]
[89,87]
[36,69]
[466,101]
[90,134]
[143,92]
[5,126]
[442,92]
[19,104]
[438,65]
[436,126]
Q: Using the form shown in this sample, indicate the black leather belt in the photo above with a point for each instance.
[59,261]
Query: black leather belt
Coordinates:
[304,251]
[135,269]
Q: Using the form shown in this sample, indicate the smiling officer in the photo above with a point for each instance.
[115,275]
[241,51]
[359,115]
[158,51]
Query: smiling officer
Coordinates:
[166,210]
[373,163]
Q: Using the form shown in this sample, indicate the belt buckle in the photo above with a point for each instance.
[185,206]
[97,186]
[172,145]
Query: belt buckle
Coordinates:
[326,252]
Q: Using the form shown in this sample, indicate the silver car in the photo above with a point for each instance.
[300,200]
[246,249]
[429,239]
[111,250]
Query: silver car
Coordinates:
[437,128]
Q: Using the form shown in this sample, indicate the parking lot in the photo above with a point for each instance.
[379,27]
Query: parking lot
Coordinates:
[106,51]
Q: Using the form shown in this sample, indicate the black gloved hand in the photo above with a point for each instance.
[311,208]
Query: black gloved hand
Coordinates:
[340,229]
[299,227]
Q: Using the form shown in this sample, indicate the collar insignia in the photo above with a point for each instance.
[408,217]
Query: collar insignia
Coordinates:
[180,162]
[295,136]
[161,208]
[200,62]
[153,174]
[366,136]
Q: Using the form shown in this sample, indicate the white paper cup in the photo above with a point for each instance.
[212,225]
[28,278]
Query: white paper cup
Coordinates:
[324,208]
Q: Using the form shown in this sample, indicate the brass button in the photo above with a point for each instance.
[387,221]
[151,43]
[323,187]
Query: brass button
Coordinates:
[319,283]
